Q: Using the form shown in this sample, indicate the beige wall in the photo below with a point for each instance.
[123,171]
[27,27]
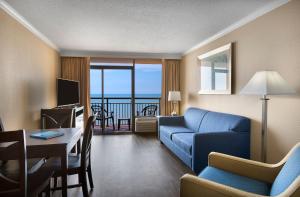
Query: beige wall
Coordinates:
[270,42]
[28,70]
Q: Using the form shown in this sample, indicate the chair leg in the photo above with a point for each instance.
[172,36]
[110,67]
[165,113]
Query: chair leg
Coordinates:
[102,127]
[89,170]
[48,190]
[55,182]
[105,125]
[113,122]
[84,184]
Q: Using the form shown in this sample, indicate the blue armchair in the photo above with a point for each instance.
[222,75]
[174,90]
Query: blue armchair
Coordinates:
[232,176]
[193,136]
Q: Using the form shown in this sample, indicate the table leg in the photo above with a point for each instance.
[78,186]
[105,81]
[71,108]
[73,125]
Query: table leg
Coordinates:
[128,121]
[64,175]
[119,122]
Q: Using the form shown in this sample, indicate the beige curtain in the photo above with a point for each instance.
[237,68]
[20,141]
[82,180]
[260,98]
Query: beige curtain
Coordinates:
[170,82]
[78,68]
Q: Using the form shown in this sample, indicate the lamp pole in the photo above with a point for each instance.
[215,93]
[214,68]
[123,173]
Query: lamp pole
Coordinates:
[266,83]
[264,128]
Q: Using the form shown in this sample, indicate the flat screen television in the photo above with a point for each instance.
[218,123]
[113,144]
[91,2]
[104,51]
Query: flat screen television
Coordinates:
[67,92]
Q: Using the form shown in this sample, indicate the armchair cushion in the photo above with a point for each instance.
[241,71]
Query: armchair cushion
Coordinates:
[184,141]
[289,172]
[168,131]
[235,181]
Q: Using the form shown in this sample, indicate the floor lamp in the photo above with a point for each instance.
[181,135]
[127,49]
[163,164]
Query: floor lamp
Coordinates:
[266,83]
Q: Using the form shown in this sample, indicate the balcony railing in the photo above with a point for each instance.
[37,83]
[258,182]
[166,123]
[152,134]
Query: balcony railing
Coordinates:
[121,106]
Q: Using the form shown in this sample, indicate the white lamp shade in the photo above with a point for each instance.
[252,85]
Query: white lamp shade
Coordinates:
[267,83]
[174,96]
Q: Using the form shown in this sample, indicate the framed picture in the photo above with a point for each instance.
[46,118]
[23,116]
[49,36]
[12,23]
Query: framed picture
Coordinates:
[215,71]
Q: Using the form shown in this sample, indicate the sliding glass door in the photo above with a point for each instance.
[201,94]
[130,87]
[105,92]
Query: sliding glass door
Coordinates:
[122,89]
[117,98]
[112,97]
[148,80]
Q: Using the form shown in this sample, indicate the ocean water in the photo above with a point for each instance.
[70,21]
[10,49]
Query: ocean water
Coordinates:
[115,98]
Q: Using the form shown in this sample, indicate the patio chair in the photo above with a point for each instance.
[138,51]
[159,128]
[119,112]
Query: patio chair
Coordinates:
[149,110]
[97,111]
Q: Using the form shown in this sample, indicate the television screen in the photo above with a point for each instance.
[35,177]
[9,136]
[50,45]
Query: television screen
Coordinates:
[67,92]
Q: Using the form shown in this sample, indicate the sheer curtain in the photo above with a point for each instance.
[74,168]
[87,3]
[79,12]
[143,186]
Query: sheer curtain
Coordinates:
[78,68]
[170,82]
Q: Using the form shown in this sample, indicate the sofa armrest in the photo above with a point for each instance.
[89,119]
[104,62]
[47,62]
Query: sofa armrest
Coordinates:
[171,120]
[228,142]
[191,186]
[244,167]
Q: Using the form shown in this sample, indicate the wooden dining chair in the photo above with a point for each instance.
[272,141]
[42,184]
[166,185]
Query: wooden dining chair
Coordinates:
[79,164]
[57,118]
[32,164]
[15,180]
[1,129]
[1,126]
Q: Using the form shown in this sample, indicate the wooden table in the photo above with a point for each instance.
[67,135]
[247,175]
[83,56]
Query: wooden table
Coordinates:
[55,147]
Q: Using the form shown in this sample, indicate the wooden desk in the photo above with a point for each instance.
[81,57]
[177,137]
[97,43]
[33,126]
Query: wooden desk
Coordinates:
[55,147]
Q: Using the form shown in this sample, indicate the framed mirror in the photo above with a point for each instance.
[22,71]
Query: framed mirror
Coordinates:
[215,71]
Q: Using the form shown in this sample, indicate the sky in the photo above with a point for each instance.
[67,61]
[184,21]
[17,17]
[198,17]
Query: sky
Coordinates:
[147,80]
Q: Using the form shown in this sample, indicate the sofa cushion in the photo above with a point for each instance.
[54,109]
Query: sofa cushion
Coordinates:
[184,141]
[168,131]
[289,172]
[215,121]
[193,118]
[236,181]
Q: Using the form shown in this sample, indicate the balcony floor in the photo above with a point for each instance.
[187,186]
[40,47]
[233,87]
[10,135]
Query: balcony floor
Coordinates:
[109,130]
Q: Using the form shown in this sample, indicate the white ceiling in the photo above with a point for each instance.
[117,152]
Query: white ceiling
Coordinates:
[133,26]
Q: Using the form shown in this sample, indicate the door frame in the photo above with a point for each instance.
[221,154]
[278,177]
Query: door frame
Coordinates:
[109,67]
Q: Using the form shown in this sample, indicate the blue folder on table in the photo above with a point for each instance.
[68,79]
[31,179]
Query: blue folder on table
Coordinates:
[46,134]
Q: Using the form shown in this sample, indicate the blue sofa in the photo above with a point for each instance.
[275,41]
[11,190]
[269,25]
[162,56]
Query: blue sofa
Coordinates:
[193,136]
